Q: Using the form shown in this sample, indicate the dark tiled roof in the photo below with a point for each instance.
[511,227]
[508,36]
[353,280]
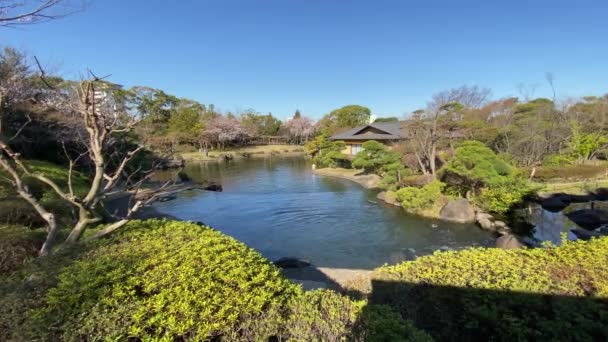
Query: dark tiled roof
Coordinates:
[393,132]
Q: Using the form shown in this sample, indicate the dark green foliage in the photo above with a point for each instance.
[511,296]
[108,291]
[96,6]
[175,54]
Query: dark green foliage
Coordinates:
[476,165]
[344,118]
[260,125]
[549,294]
[326,153]
[14,210]
[375,157]
[380,323]
[387,119]
[475,169]
[394,176]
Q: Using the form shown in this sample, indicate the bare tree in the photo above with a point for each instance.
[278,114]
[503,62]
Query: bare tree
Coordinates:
[27,12]
[468,96]
[427,128]
[526,90]
[104,124]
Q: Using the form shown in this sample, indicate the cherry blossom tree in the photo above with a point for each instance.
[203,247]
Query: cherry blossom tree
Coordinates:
[300,129]
[221,130]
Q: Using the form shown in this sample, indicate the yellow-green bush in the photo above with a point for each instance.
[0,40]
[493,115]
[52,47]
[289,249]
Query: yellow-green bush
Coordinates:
[554,293]
[167,280]
[178,280]
[412,198]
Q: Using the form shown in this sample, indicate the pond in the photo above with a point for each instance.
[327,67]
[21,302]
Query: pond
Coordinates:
[281,208]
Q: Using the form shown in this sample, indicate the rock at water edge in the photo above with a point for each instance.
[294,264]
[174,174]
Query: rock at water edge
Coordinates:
[458,211]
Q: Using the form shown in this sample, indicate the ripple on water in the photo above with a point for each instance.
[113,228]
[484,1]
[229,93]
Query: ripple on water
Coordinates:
[279,207]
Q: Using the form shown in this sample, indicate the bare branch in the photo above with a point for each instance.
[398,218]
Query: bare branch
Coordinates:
[29,120]
[28,12]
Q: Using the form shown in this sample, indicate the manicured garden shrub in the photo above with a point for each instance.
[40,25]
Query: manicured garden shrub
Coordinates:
[167,280]
[413,199]
[327,153]
[322,315]
[555,293]
[374,157]
[476,171]
[380,323]
[161,280]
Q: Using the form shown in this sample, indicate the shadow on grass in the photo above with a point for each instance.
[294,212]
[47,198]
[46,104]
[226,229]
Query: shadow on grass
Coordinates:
[471,314]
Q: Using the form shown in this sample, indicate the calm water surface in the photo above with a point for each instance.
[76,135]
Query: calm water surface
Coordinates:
[279,207]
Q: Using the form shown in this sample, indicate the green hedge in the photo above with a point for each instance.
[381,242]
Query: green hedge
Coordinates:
[178,280]
[554,293]
[167,280]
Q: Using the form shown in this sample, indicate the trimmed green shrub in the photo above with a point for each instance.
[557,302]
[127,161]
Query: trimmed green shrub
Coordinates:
[475,165]
[553,293]
[178,280]
[476,170]
[322,315]
[168,280]
[502,196]
[380,323]
[412,198]
[374,157]
[327,153]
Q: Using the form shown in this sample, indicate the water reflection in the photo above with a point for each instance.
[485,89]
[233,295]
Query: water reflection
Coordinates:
[548,226]
[279,207]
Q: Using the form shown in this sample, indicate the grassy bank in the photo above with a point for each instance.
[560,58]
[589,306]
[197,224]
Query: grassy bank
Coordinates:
[572,188]
[245,152]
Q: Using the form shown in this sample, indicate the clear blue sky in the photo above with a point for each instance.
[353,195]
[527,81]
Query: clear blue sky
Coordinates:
[317,55]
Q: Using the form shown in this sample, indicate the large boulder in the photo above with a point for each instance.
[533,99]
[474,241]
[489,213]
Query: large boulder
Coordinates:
[509,241]
[291,262]
[485,221]
[458,211]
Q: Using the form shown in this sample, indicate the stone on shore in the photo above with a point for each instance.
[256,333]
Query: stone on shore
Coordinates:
[214,187]
[484,221]
[458,211]
[291,262]
[509,241]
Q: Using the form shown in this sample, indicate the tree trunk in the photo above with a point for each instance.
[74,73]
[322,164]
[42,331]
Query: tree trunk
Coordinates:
[432,161]
[84,219]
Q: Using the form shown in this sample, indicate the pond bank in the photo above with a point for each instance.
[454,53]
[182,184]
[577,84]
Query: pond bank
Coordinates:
[369,181]
[245,152]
